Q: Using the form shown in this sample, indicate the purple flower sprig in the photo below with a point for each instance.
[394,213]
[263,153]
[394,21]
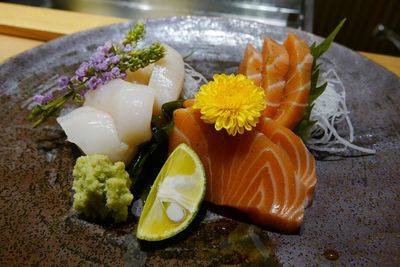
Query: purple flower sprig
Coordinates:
[108,62]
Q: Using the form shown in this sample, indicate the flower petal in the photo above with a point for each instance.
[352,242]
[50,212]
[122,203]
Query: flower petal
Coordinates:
[232,102]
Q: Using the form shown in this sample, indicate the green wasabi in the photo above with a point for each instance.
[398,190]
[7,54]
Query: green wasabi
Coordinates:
[101,188]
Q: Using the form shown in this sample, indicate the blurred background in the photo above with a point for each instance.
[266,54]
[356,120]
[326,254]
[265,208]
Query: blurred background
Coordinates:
[372,25]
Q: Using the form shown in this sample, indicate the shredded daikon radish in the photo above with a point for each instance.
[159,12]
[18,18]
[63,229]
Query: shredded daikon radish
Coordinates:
[329,111]
[192,83]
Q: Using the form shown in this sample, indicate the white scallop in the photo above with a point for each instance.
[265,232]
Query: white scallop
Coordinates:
[141,76]
[167,78]
[130,105]
[94,132]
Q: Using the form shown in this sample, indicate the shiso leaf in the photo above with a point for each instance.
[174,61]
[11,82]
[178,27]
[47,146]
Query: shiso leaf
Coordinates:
[303,129]
[318,50]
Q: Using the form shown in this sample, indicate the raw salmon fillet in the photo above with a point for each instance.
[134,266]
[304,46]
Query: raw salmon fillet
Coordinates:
[246,172]
[251,64]
[298,81]
[302,160]
[274,68]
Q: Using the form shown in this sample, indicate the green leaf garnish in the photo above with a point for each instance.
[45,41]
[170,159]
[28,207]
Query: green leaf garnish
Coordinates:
[168,108]
[303,129]
[318,50]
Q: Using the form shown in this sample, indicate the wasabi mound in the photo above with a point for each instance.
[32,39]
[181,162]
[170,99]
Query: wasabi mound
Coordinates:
[101,188]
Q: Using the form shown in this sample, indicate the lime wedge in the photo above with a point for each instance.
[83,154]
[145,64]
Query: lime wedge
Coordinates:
[175,196]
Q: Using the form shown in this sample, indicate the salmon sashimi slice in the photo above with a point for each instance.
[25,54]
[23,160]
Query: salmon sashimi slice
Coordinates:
[251,64]
[298,82]
[264,184]
[274,69]
[190,129]
[246,172]
[302,160]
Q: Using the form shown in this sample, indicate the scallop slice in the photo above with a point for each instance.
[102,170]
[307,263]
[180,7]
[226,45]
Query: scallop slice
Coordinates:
[141,76]
[94,132]
[130,105]
[167,78]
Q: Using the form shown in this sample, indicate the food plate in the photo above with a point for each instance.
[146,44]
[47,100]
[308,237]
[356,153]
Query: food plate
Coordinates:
[354,218]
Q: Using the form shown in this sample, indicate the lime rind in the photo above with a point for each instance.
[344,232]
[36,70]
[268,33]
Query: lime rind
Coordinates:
[154,224]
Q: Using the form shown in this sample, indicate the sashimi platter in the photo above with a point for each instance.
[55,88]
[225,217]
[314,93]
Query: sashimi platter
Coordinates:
[198,141]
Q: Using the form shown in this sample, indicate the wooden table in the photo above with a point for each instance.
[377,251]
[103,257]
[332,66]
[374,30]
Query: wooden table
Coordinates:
[24,27]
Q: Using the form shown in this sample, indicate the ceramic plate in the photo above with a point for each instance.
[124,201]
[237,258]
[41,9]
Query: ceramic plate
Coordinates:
[355,214]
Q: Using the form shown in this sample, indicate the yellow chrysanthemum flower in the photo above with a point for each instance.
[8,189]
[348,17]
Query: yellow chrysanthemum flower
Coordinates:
[232,102]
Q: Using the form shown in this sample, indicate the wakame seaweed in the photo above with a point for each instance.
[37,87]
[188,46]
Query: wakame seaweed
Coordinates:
[152,155]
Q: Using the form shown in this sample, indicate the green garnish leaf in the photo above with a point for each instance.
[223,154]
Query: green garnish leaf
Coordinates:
[318,50]
[303,129]
[168,108]
[150,158]
[316,93]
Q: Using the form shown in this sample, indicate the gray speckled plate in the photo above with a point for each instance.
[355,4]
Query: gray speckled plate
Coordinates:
[356,211]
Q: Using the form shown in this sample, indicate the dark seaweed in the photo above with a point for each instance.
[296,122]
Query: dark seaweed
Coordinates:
[151,155]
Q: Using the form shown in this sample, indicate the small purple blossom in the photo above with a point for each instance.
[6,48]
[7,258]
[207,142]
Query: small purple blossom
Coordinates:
[104,48]
[114,59]
[97,57]
[102,66]
[107,76]
[82,70]
[115,71]
[63,82]
[43,99]
[93,82]
[39,99]
[128,48]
